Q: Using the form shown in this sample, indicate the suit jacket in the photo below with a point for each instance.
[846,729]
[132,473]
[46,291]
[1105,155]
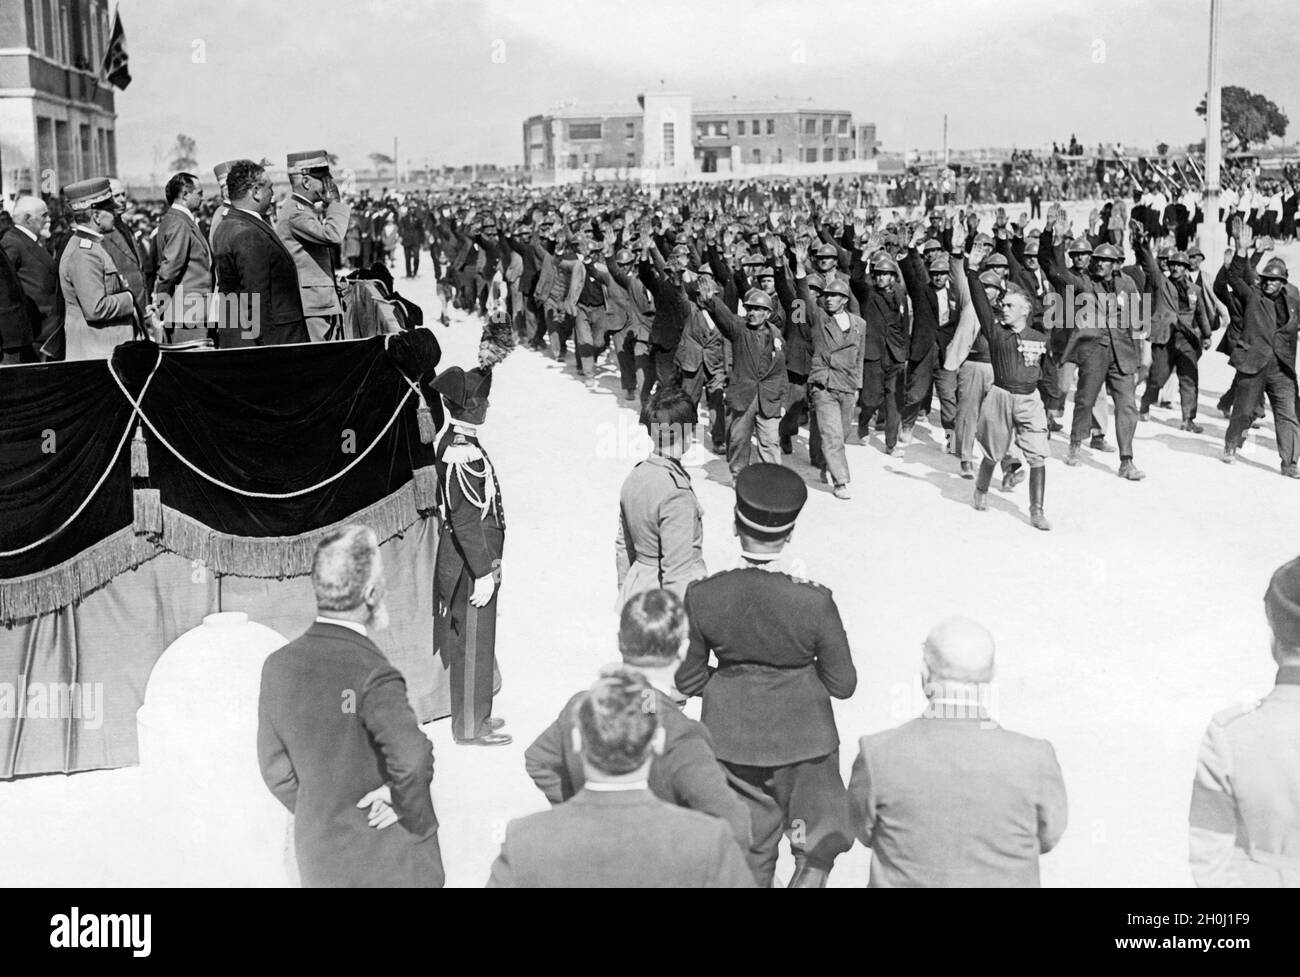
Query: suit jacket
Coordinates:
[1096,327]
[782,654]
[836,361]
[38,276]
[1236,313]
[1245,810]
[687,774]
[334,724]
[888,323]
[956,802]
[757,366]
[100,309]
[1262,335]
[623,840]
[314,243]
[1167,314]
[16,332]
[184,270]
[253,267]
[121,244]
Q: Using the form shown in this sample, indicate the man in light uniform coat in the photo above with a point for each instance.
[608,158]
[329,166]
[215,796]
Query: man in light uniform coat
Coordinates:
[314,239]
[1245,812]
[100,309]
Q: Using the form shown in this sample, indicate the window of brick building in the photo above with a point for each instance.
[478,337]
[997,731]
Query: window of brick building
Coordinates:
[584,130]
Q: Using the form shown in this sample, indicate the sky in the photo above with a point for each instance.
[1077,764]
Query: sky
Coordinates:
[453,80]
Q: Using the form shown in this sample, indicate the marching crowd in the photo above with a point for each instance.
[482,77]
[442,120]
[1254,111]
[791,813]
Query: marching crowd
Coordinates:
[769,309]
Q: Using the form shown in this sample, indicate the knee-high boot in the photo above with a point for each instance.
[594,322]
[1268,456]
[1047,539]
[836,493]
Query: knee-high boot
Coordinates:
[1037,486]
[981,500]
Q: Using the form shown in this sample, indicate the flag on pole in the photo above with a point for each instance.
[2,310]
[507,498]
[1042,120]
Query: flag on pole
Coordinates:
[116,60]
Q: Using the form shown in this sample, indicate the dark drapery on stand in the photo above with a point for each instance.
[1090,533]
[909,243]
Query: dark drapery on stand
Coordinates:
[120,529]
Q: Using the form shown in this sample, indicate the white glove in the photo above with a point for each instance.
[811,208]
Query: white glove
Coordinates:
[484,587]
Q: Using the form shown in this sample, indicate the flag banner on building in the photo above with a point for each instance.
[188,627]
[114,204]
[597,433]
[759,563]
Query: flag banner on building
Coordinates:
[230,458]
[116,60]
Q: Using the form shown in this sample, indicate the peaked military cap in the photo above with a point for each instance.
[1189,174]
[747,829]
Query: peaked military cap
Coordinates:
[86,194]
[769,497]
[315,159]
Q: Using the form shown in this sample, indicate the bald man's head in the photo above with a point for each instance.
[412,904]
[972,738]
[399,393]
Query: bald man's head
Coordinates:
[30,212]
[959,650]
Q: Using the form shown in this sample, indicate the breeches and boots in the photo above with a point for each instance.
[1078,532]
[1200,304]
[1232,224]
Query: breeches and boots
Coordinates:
[811,804]
[974,381]
[1007,418]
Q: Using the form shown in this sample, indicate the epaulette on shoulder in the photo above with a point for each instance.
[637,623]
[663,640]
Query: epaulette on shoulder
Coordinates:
[461,451]
[1232,713]
[797,578]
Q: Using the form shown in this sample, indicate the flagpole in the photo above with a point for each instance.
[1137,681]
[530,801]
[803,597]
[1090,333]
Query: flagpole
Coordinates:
[1216,233]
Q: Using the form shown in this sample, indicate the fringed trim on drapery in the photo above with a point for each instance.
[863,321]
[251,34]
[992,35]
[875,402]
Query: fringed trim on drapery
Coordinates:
[158,528]
[282,556]
[70,581]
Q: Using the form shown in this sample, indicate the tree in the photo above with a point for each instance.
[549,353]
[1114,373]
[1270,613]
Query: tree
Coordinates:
[1248,117]
[184,154]
[380,161]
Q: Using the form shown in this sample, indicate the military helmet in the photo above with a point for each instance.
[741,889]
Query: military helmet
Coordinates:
[624,257]
[1274,268]
[836,286]
[996,260]
[1107,252]
[827,251]
[882,263]
[1079,245]
[991,280]
[1180,258]
[757,298]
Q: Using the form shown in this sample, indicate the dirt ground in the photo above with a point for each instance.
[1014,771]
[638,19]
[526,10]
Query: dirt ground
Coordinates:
[1119,633]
